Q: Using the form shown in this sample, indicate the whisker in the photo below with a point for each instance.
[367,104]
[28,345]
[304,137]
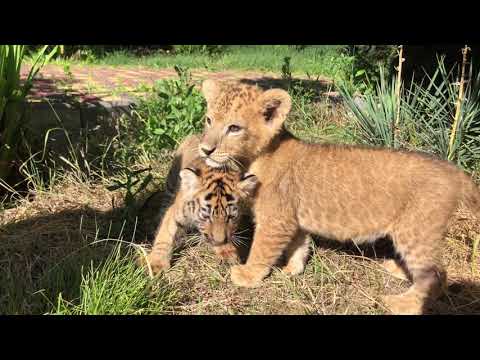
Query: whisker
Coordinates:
[241,242]
[238,241]
[192,148]
[242,237]
[241,232]
[237,163]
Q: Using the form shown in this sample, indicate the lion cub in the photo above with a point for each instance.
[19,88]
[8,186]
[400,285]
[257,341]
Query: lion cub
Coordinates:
[207,199]
[336,191]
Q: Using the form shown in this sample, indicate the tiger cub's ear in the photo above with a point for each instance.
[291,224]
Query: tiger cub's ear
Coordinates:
[189,178]
[248,184]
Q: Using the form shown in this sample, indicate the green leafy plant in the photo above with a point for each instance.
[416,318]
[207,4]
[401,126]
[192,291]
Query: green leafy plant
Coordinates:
[431,118]
[174,110]
[133,185]
[68,72]
[286,70]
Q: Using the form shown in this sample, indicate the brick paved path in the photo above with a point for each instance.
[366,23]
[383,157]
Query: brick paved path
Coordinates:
[94,83]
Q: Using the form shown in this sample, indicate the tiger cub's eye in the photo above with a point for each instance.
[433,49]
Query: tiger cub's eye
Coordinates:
[233,213]
[204,213]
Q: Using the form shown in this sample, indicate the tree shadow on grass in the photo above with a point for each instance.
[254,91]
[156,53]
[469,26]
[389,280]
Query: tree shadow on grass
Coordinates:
[43,255]
[315,87]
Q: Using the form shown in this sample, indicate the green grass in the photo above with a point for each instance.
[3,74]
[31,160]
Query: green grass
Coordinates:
[323,60]
[78,259]
[117,287]
[318,121]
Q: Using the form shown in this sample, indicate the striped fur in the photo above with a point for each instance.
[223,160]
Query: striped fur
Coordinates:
[208,199]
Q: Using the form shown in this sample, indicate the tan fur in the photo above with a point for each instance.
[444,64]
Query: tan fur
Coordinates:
[219,192]
[339,192]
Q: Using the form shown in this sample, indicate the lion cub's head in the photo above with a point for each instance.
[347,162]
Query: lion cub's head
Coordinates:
[241,121]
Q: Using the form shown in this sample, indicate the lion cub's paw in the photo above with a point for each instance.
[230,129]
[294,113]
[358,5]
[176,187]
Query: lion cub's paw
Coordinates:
[294,268]
[408,303]
[245,276]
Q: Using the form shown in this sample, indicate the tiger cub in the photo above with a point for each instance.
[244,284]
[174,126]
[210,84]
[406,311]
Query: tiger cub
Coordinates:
[207,199]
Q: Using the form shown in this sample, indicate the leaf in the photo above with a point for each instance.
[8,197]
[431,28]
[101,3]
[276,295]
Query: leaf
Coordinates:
[163,95]
[359,73]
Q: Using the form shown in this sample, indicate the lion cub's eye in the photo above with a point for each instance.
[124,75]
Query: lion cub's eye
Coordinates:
[209,121]
[234,129]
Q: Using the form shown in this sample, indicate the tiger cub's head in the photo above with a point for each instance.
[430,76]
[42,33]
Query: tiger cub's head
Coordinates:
[214,199]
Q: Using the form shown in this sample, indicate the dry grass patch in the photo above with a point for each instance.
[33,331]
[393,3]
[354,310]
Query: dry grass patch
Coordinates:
[337,280]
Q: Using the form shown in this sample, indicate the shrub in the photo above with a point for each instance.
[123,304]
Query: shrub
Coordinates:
[422,60]
[174,110]
[367,60]
[200,49]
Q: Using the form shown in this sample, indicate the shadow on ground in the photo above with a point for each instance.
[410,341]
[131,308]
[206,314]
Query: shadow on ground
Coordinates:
[43,254]
[56,90]
[317,87]
[46,253]
[461,297]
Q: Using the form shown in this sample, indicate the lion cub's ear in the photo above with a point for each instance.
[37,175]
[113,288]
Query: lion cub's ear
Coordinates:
[210,90]
[248,184]
[275,105]
[189,179]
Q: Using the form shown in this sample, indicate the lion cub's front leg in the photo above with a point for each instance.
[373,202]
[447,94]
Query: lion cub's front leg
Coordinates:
[267,248]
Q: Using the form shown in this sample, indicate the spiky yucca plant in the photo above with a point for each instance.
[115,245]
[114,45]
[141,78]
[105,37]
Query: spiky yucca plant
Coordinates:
[433,105]
[12,94]
[375,113]
[427,116]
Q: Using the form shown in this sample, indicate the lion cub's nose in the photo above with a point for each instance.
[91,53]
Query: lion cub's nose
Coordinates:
[208,151]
